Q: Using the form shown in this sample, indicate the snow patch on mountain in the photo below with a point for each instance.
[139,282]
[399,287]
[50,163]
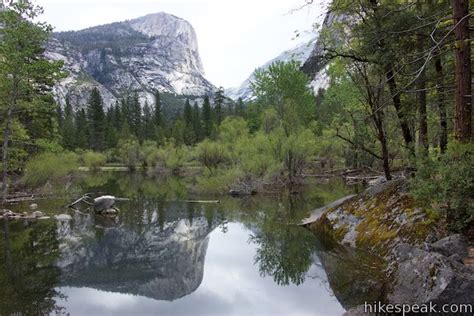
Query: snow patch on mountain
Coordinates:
[300,54]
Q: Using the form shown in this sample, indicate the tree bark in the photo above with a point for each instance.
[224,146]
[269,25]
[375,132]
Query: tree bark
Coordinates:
[421,86]
[6,139]
[443,121]
[463,94]
[392,84]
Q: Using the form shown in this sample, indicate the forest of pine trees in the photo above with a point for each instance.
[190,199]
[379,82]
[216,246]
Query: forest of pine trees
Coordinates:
[98,128]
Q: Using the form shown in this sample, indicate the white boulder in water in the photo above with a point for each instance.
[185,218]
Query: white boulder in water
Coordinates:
[104,202]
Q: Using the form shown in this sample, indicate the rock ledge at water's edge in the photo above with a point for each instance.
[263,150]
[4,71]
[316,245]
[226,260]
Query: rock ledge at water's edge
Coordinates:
[424,263]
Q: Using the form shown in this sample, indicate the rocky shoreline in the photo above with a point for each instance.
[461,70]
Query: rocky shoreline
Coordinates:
[425,263]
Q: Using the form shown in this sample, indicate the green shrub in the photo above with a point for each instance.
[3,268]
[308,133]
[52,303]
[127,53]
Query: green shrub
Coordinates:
[93,160]
[50,167]
[212,154]
[168,158]
[446,184]
[218,181]
[130,153]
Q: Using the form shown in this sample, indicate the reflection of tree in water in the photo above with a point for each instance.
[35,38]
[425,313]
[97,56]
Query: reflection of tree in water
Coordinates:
[27,272]
[284,250]
[284,253]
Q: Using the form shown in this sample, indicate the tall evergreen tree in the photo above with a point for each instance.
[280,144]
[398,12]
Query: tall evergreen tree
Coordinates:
[158,118]
[96,119]
[26,78]
[207,117]
[111,134]
[81,129]
[239,108]
[197,127]
[219,105]
[135,116]
[68,130]
[189,136]
[148,128]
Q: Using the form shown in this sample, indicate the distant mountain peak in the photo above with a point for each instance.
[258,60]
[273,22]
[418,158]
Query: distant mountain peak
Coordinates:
[158,51]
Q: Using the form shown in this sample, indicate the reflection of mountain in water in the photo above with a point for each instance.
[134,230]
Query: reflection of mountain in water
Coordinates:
[156,259]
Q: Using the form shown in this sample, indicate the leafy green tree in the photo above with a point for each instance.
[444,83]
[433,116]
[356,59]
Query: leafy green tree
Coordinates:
[285,88]
[282,91]
[178,132]
[26,77]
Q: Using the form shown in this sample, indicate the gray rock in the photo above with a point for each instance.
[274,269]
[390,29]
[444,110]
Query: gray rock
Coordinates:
[356,311]
[33,206]
[63,217]
[103,203]
[377,181]
[451,245]
[155,52]
[109,211]
[316,214]
[37,214]
[423,276]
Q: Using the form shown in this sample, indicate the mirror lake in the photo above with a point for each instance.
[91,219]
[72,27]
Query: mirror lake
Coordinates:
[163,254]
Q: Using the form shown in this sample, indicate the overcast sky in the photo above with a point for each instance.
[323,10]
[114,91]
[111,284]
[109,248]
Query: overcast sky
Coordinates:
[234,36]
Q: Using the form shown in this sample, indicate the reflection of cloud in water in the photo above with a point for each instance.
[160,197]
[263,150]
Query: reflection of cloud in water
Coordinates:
[232,285]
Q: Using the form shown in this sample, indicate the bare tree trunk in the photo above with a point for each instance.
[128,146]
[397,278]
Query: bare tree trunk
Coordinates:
[463,96]
[443,122]
[382,136]
[397,103]
[6,139]
[421,86]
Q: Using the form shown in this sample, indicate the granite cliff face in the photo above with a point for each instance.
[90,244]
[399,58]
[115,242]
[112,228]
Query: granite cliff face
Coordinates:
[163,261]
[155,52]
[300,54]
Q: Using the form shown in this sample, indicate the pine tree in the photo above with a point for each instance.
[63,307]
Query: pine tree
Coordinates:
[135,116]
[197,127]
[26,78]
[81,129]
[239,109]
[158,119]
[219,104]
[207,117]
[148,128]
[68,130]
[111,134]
[96,120]
[189,136]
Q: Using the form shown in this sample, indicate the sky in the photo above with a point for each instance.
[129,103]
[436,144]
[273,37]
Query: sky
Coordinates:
[234,36]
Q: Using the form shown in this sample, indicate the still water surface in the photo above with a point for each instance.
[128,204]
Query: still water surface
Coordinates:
[164,256]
